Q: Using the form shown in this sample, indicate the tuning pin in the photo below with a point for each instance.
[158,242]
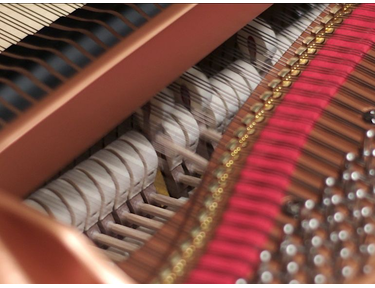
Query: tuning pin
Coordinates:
[330,182]
[291,250]
[366,211]
[309,204]
[358,176]
[288,229]
[320,279]
[351,179]
[307,208]
[337,199]
[370,167]
[292,268]
[368,146]
[319,260]
[347,271]
[349,160]
[266,277]
[265,256]
[368,249]
[316,241]
[241,281]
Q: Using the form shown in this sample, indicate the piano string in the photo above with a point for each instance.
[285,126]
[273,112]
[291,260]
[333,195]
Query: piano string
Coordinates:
[118,192]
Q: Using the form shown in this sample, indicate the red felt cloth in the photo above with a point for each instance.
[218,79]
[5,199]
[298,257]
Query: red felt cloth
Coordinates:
[234,250]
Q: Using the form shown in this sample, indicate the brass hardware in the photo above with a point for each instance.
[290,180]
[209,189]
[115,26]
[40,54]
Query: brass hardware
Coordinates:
[319,40]
[317,29]
[223,172]
[195,231]
[274,83]
[338,20]
[292,61]
[266,95]
[283,72]
[295,72]
[219,171]
[335,9]
[300,50]
[286,84]
[248,119]
[303,61]
[203,215]
[240,132]
[268,107]
[256,107]
[232,144]
[250,131]
[259,118]
[311,51]
[347,10]
[327,18]
[224,159]
[213,187]
[277,95]
[245,144]
[308,40]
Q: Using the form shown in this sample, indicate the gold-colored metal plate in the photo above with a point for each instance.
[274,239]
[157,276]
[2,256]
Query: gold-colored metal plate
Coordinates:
[232,144]
[338,20]
[317,29]
[295,72]
[335,9]
[225,158]
[164,274]
[250,131]
[329,30]
[300,50]
[274,83]
[259,118]
[283,72]
[268,107]
[203,215]
[248,119]
[319,40]
[303,61]
[195,232]
[308,40]
[277,95]
[239,132]
[219,171]
[213,187]
[347,11]
[256,107]
[286,83]
[292,61]
[311,51]
[266,95]
[175,258]
[245,144]
[327,18]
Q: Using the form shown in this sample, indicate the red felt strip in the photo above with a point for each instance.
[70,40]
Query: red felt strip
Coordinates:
[234,250]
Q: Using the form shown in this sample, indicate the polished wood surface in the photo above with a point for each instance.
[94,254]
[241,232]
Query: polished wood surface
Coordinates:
[36,249]
[53,133]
